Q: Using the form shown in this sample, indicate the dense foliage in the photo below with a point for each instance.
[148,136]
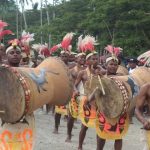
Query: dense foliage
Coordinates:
[123,23]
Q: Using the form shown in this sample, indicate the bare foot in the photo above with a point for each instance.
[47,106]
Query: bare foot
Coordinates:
[79,148]
[68,140]
[55,131]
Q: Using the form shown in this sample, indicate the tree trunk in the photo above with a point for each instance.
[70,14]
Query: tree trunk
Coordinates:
[41,20]
[54,9]
[17,20]
[24,15]
[48,21]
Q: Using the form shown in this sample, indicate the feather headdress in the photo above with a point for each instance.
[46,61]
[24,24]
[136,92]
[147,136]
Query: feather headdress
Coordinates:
[44,50]
[36,47]
[88,45]
[66,42]
[13,44]
[2,31]
[25,40]
[80,47]
[114,51]
[145,58]
[55,48]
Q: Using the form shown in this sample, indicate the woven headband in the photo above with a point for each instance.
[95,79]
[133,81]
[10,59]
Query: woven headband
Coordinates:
[12,47]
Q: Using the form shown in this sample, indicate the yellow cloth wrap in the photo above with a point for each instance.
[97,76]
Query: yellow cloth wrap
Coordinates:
[147,132]
[19,136]
[61,110]
[111,132]
[74,107]
[87,115]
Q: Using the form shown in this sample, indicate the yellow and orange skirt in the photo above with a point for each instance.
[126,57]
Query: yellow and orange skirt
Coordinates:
[19,136]
[107,131]
[147,138]
[87,114]
[74,107]
[61,110]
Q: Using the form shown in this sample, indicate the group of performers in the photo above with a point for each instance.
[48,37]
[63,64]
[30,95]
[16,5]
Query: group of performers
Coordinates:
[92,80]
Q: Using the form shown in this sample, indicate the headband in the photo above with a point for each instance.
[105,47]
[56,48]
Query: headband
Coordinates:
[80,54]
[111,58]
[91,54]
[12,47]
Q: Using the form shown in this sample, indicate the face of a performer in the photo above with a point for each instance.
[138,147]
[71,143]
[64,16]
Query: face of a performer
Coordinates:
[14,57]
[93,60]
[72,58]
[64,57]
[112,67]
[81,59]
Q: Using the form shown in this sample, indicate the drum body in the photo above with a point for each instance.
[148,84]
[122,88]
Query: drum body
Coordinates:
[140,75]
[112,103]
[122,70]
[24,90]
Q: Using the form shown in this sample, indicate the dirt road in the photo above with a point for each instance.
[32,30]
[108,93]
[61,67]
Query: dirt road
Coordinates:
[46,140]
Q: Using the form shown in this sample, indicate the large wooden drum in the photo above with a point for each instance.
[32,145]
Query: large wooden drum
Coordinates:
[122,70]
[23,90]
[115,101]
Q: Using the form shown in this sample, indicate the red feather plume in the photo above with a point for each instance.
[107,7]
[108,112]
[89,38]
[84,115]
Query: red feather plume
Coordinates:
[2,31]
[54,48]
[113,50]
[14,41]
[2,25]
[5,32]
[88,44]
[67,41]
[45,52]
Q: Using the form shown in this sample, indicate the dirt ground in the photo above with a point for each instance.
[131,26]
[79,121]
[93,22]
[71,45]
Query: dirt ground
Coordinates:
[46,140]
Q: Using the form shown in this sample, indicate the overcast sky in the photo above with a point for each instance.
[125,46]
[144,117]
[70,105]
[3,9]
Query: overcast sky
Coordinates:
[34,1]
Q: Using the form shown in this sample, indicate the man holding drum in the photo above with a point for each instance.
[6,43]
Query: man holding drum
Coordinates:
[142,98]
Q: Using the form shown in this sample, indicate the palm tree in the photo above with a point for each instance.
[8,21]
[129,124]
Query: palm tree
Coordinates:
[55,2]
[23,2]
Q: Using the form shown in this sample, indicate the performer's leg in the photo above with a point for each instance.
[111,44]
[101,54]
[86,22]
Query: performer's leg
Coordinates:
[57,122]
[48,108]
[65,118]
[53,109]
[118,144]
[100,143]
[82,136]
[70,123]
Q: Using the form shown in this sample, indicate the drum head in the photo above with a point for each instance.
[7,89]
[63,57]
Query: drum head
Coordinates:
[111,104]
[12,94]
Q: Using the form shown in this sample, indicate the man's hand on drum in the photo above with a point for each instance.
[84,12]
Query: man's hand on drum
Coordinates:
[146,125]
